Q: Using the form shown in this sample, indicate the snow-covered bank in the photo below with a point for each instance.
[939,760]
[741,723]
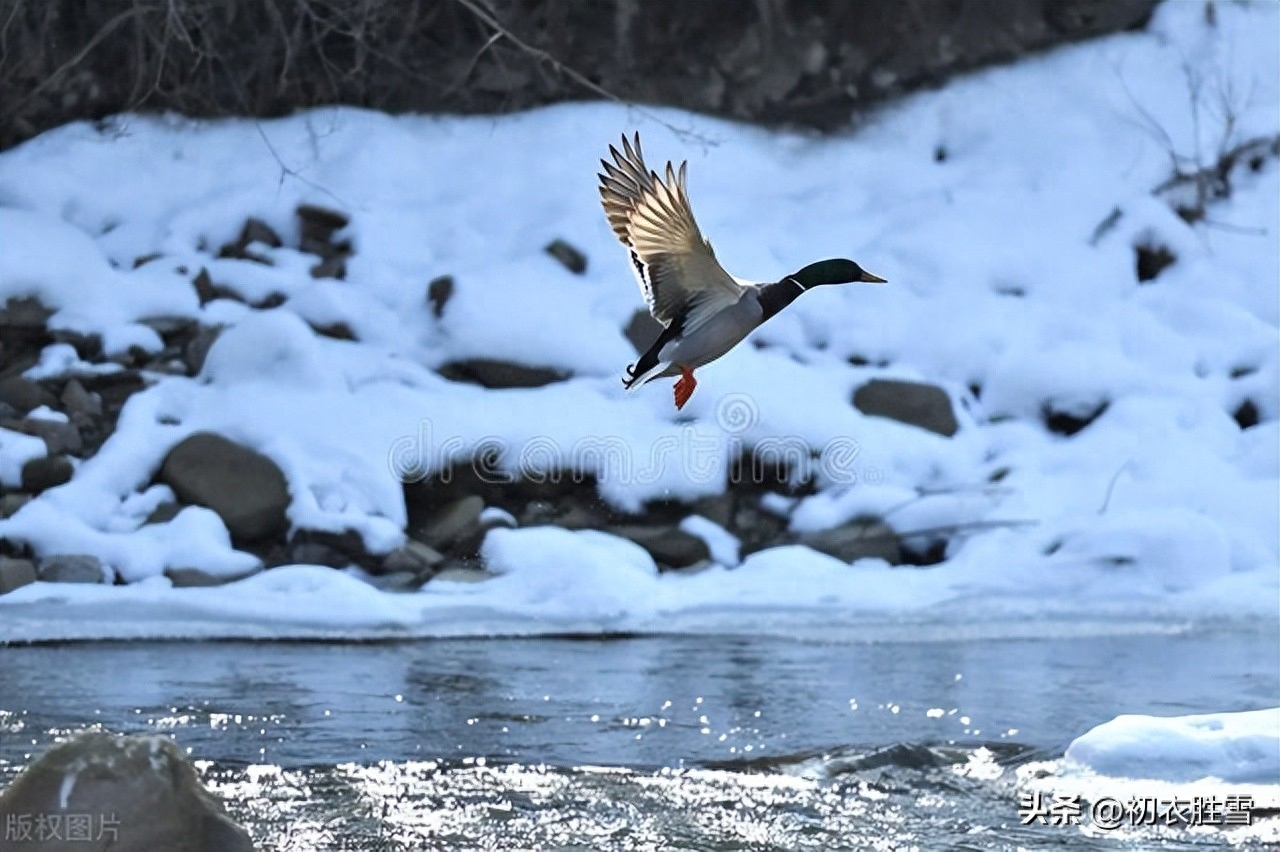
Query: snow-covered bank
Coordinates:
[1236,747]
[1004,291]
[1217,773]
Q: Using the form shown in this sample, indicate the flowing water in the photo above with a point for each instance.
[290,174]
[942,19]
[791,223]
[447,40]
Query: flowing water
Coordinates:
[633,743]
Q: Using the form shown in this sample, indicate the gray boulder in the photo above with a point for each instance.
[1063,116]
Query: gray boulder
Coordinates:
[15,573]
[451,523]
[24,394]
[118,793]
[45,472]
[71,568]
[858,539]
[493,374]
[245,488]
[913,403]
[669,546]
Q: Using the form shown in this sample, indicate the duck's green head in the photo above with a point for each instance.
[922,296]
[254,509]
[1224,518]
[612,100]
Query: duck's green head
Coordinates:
[839,271]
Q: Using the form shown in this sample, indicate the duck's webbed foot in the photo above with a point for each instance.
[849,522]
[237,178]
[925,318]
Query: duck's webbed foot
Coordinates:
[684,387]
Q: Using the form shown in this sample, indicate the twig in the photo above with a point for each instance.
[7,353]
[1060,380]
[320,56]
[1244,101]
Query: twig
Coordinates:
[286,171]
[97,39]
[952,529]
[1106,501]
[487,17]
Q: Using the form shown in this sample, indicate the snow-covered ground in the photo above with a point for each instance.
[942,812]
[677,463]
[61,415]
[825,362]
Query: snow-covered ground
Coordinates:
[1160,513]
[1206,767]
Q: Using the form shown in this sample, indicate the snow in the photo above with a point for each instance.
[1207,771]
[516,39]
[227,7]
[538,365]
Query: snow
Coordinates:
[1240,747]
[1162,513]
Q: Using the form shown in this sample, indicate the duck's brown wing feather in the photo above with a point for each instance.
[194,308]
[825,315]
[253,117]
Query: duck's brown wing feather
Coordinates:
[677,270]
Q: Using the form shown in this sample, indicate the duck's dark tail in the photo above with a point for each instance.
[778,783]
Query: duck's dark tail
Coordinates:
[650,363]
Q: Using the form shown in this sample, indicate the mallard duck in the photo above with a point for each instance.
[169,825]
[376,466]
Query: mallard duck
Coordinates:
[704,311]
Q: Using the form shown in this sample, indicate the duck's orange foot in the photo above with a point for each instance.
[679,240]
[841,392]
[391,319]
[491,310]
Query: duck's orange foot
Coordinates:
[684,387]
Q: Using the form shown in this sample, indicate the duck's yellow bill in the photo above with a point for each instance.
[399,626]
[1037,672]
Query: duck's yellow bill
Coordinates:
[868,278]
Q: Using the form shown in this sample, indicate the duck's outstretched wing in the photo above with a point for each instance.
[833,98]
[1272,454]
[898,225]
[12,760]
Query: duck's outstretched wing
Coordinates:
[679,275]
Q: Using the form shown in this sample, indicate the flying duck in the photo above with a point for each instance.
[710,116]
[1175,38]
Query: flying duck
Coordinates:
[705,312]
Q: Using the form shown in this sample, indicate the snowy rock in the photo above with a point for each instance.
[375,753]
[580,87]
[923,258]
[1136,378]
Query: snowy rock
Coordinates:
[46,472]
[15,573]
[337,550]
[1068,419]
[414,558]
[859,539]
[669,546]
[491,373]
[78,401]
[245,488]
[193,354]
[1239,747]
[642,330]
[141,793]
[451,523]
[24,312]
[196,578]
[439,292]
[913,403]
[24,394]
[71,568]
[58,437]
[320,223]
[461,575]
[13,501]
[571,258]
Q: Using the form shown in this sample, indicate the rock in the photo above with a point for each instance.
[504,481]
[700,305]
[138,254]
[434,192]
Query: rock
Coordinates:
[439,291]
[15,573]
[123,793]
[1151,260]
[451,523]
[572,259]
[925,406]
[330,267]
[669,546]
[114,388]
[398,581]
[245,488]
[58,437]
[335,330]
[756,529]
[192,578]
[46,472]
[87,346]
[163,514]
[320,223]
[858,539]
[13,501]
[1068,419]
[193,354]
[719,509]
[24,394]
[642,330]
[1246,414]
[455,574]
[315,553]
[768,468]
[491,373]
[255,231]
[414,558]
[77,400]
[337,550]
[24,312]
[71,568]
[258,231]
